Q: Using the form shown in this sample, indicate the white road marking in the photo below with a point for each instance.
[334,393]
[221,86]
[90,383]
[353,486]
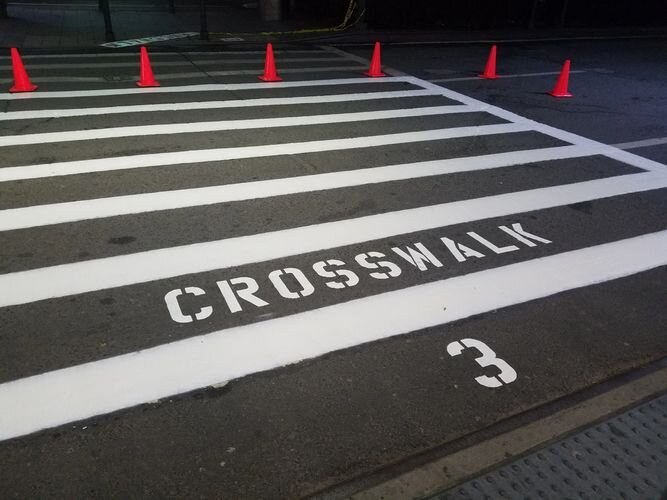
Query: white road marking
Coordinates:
[485,41]
[81,277]
[217,126]
[59,213]
[220,154]
[516,75]
[75,393]
[164,64]
[208,87]
[646,143]
[135,53]
[232,103]
[198,74]
[611,151]
[148,39]
[506,374]
[257,72]
[349,56]
[72,79]
[62,396]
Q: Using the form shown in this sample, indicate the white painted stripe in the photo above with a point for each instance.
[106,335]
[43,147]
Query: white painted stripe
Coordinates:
[43,5]
[658,141]
[217,126]
[148,39]
[197,74]
[164,64]
[610,151]
[43,215]
[87,276]
[135,53]
[478,41]
[225,52]
[83,391]
[71,79]
[232,103]
[257,72]
[354,57]
[210,87]
[206,155]
[516,75]
[346,55]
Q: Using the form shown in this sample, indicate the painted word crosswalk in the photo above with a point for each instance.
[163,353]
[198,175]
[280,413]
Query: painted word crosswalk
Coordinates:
[158,241]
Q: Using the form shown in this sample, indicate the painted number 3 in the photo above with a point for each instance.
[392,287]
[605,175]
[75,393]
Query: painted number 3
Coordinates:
[507,374]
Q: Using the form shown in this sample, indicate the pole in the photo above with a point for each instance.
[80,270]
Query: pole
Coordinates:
[203,25]
[533,14]
[361,8]
[563,13]
[108,28]
[172,8]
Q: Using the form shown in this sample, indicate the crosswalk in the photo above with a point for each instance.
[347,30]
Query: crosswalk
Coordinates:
[205,232]
[96,70]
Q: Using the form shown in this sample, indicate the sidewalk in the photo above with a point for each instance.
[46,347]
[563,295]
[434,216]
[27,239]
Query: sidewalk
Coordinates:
[81,25]
[77,26]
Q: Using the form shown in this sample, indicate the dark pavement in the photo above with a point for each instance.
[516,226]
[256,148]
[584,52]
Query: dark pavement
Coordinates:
[321,380]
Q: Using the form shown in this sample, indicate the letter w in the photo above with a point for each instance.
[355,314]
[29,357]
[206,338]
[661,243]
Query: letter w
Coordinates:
[418,257]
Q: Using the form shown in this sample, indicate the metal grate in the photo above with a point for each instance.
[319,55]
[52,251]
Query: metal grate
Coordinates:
[622,458]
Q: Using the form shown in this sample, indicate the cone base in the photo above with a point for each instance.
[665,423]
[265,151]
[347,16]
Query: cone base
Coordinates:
[29,88]
[374,74]
[489,77]
[265,78]
[148,84]
[560,94]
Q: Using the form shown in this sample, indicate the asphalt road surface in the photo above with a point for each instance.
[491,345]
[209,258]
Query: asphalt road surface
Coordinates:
[224,288]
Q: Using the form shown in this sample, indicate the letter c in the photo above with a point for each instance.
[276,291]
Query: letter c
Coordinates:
[175,311]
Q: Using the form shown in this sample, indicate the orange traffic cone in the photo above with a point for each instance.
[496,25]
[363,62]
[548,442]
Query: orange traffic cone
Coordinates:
[560,90]
[146,78]
[376,66]
[490,68]
[21,81]
[270,74]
